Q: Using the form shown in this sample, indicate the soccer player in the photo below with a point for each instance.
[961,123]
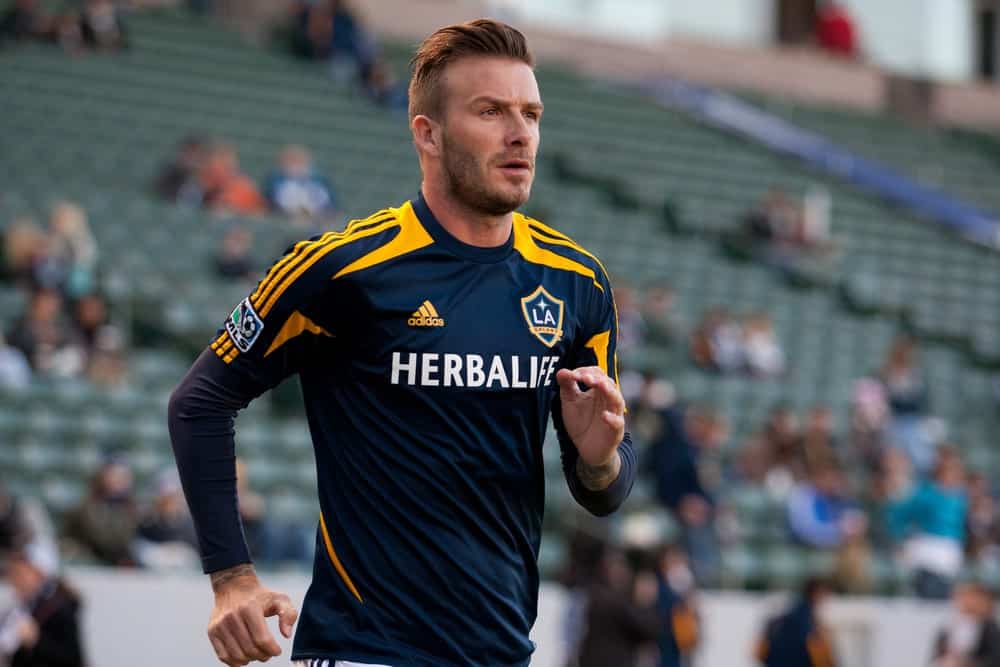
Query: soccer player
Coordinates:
[432,342]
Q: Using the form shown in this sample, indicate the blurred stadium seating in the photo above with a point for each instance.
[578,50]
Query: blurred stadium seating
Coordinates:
[94,130]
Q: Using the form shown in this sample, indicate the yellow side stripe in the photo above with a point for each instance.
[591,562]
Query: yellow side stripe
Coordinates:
[423,310]
[430,307]
[337,565]
[311,259]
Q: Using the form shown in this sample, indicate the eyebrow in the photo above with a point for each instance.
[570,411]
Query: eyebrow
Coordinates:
[533,106]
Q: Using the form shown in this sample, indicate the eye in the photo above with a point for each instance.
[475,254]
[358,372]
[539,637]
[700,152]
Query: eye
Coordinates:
[533,115]
[490,111]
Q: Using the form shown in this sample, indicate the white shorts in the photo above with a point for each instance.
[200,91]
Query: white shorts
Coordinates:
[326,663]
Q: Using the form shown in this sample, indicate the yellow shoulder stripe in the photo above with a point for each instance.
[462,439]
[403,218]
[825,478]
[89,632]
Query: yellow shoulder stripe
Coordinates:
[524,243]
[296,325]
[558,238]
[321,251]
[302,249]
[412,236]
[561,239]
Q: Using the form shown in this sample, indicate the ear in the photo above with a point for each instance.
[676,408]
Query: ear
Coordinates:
[426,135]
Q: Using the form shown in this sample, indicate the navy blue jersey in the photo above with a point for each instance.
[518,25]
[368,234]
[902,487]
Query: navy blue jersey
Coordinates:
[428,372]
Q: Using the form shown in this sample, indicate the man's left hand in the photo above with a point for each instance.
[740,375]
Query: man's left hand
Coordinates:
[594,419]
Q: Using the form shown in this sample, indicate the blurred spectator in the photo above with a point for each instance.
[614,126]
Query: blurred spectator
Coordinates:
[929,520]
[971,636]
[662,325]
[72,250]
[43,630]
[269,541]
[15,372]
[24,249]
[869,422]
[982,522]
[23,21]
[774,456]
[296,189]
[383,87]
[107,365]
[24,524]
[312,30]
[233,259]
[764,356]
[819,443]
[89,316]
[166,534]
[800,637]
[835,31]
[330,30]
[225,188]
[688,437]
[679,623]
[101,26]
[620,620]
[103,527]
[773,219]
[820,513]
[629,319]
[717,343]
[907,393]
[178,179]
[43,336]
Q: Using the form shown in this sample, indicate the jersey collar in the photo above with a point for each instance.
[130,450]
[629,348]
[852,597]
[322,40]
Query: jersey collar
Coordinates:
[444,238]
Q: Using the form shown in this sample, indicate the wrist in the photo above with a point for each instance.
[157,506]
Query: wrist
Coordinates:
[597,477]
[238,575]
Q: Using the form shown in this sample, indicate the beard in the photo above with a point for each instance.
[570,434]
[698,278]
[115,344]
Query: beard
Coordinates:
[467,183]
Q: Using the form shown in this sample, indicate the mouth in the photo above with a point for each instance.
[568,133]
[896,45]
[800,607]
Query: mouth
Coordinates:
[516,166]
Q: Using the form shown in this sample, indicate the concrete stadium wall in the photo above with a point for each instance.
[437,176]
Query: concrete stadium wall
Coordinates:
[158,620]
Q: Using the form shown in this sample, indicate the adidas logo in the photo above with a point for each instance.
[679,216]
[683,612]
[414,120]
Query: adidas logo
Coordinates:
[426,316]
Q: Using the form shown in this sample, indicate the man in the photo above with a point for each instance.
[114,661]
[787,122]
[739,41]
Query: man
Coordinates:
[972,637]
[44,629]
[675,600]
[798,637]
[432,342]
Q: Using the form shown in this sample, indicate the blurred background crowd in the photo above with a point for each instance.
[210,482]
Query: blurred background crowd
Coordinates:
[811,369]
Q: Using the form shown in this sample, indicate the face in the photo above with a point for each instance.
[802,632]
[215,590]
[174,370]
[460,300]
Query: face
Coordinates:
[23,578]
[489,133]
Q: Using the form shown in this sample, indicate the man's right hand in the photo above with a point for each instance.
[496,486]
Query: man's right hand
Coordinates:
[237,628]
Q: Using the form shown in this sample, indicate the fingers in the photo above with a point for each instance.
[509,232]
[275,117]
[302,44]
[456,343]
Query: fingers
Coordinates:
[263,641]
[614,420]
[282,606]
[596,379]
[236,630]
[568,383]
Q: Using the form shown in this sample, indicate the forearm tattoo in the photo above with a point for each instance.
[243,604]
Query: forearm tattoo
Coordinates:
[598,477]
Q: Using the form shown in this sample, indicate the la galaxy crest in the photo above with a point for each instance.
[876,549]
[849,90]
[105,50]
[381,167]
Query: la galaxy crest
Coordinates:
[544,315]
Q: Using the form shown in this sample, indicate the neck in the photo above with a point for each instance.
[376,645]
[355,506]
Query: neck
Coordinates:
[467,225]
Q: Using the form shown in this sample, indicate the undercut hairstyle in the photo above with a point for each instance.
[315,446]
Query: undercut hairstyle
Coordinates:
[482,37]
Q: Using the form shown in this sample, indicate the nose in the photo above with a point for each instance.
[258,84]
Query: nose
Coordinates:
[519,133]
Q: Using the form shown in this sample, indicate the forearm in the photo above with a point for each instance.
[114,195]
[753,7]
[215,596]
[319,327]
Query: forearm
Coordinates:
[201,414]
[599,489]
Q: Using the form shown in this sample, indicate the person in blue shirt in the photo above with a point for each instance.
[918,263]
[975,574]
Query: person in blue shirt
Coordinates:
[929,518]
[433,340]
[296,189]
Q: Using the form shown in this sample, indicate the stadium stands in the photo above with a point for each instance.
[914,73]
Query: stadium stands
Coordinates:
[94,129]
